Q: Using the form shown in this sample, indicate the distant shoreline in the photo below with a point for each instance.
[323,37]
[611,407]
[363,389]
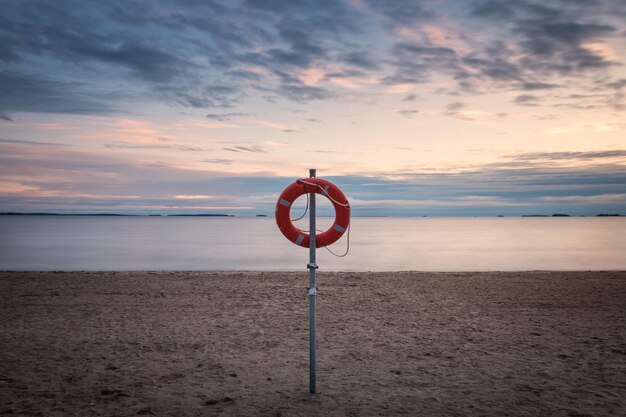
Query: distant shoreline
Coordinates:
[266,216]
[115,215]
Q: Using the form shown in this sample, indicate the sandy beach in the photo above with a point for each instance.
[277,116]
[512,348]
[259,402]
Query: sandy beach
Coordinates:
[236,344]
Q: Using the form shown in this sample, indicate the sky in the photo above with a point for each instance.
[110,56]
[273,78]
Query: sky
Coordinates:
[433,107]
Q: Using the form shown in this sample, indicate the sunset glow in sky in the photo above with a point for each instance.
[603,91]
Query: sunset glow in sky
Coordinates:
[427,107]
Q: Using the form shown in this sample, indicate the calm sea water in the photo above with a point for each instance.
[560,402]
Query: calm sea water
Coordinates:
[376,244]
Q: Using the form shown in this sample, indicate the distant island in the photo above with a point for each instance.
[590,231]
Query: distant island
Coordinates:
[200,215]
[69,214]
[567,215]
[114,215]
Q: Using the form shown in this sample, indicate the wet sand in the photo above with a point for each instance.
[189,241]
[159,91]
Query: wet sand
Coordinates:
[236,344]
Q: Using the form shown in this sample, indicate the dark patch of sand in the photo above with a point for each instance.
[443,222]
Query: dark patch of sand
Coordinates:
[236,344]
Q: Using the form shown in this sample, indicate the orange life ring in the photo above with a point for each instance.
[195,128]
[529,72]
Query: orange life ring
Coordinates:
[319,186]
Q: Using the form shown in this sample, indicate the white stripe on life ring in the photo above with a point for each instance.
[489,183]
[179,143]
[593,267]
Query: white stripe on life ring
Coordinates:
[299,240]
[339,228]
[285,202]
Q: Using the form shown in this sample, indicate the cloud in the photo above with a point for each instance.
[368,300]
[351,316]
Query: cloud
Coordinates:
[552,39]
[254,149]
[68,179]
[219,161]
[617,85]
[53,30]
[207,96]
[452,107]
[31,142]
[219,54]
[154,47]
[596,198]
[415,62]
[532,86]
[560,156]
[303,93]
[149,63]
[360,59]
[408,113]
[526,100]
[30,93]
[226,116]
[459,110]
[132,145]
[400,12]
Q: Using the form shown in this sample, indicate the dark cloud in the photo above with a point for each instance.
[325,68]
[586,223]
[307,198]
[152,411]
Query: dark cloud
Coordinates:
[7,54]
[496,69]
[564,32]
[401,12]
[615,100]
[319,18]
[50,29]
[149,63]
[554,156]
[414,62]
[208,96]
[215,54]
[130,145]
[493,9]
[455,106]
[558,47]
[31,142]
[254,149]
[552,38]
[304,93]
[219,161]
[226,116]
[160,46]
[454,110]
[526,100]
[543,41]
[20,92]
[407,113]
[532,86]
[616,85]
[360,59]
[301,58]
[307,33]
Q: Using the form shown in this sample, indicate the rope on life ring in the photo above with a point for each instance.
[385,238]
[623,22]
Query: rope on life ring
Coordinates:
[319,186]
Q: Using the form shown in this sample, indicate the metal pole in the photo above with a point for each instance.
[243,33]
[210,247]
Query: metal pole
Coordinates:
[312,289]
